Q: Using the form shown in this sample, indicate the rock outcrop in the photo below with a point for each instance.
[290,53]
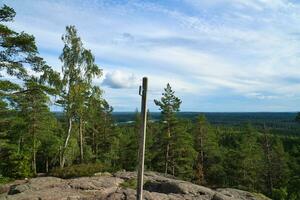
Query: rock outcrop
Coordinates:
[115,187]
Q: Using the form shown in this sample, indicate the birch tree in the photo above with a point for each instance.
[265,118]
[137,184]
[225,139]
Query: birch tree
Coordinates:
[78,70]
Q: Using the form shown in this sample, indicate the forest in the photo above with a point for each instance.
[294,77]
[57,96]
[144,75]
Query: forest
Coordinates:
[85,136]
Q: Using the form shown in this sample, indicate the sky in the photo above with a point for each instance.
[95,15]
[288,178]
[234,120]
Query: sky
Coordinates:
[218,55]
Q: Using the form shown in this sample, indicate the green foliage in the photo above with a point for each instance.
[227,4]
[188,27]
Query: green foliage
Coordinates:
[251,159]
[4,180]
[174,140]
[78,70]
[220,154]
[297,118]
[78,170]
[16,48]
[17,166]
[182,153]
[208,164]
[129,142]
[7,14]
[280,194]
[129,183]
[169,104]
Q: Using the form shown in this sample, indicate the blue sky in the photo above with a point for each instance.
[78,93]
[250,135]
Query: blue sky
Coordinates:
[218,55]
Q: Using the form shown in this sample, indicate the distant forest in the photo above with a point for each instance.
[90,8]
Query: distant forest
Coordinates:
[258,152]
[278,122]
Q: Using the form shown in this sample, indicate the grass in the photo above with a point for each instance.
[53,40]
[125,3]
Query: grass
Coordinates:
[131,183]
[260,196]
[77,170]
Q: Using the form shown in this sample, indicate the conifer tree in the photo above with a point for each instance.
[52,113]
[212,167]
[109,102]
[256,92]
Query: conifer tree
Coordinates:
[200,136]
[152,130]
[169,104]
[182,152]
[28,102]
[251,159]
[174,141]
[16,48]
[208,168]
[279,164]
[268,173]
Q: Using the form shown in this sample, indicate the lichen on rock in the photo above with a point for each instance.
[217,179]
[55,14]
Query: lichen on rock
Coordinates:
[112,187]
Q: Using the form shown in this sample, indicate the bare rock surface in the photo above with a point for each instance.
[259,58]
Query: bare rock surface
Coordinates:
[113,187]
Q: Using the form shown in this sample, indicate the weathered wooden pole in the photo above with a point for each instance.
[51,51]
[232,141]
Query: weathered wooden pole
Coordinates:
[140,177]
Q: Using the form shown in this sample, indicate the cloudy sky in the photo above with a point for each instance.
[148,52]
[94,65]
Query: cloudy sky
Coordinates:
[218,55]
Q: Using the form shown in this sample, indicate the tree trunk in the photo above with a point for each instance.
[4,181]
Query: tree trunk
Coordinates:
[94,143]
[173,166]
[167,150]
[34,141]
[19,145]
[81,139]
[60,155]
[34,158]
[47,165]
[66,143]
[202,159]
[267,152]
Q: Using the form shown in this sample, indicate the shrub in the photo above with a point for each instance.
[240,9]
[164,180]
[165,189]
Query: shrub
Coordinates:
[4,180]
[280,194]
[130,183]
[18,166]
[77,170]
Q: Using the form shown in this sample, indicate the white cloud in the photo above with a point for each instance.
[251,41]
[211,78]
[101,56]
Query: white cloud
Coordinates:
[120,79]
[246,47]
[257,5]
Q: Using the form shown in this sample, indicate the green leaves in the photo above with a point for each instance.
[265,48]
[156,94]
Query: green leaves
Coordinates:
[78,95]
[7,14]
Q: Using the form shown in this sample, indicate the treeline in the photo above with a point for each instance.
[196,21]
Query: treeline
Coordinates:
[33,140]
[279,123]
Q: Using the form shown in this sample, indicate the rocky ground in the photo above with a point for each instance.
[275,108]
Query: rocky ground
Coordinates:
[118,186]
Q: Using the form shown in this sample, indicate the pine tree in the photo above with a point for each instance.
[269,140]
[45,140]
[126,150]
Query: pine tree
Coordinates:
[200,136]
[27,102]
[267,149]
[174,141]
[275,164]
[169,105]
[182,152]
[208,164]
[279,164]
[251,159]
[152,130]
[16,48]
[101,133]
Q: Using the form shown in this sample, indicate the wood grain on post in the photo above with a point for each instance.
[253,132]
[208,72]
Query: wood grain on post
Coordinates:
[140,177]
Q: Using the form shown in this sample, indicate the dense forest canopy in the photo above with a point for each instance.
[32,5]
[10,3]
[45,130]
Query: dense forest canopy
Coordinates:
[85,136]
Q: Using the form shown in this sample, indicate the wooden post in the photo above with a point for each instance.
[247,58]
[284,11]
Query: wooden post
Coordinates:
[140,177]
